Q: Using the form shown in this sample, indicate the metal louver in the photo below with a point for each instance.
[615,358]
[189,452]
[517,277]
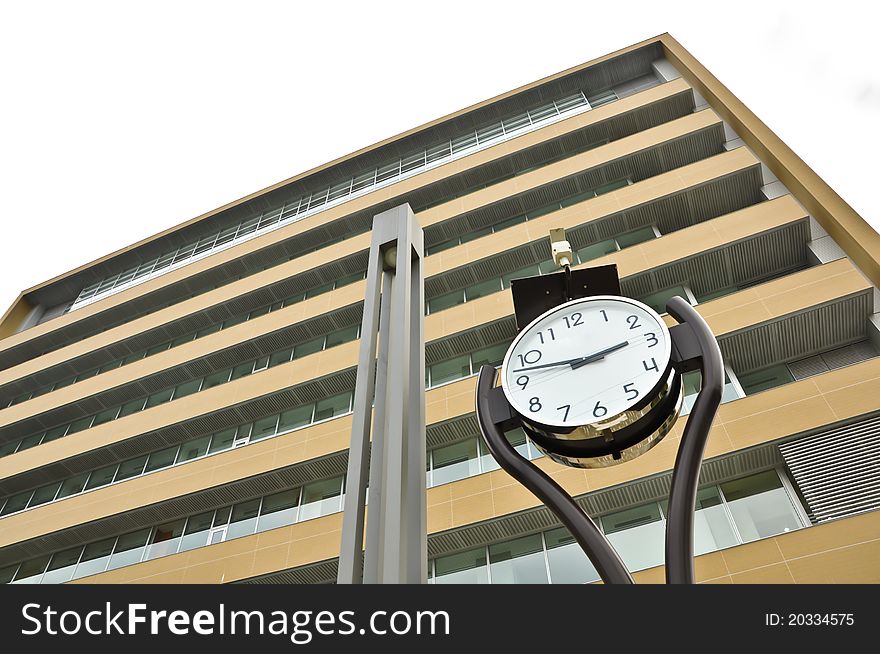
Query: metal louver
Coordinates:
[837,471]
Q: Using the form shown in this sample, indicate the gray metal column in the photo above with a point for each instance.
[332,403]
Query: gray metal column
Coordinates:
[396,525]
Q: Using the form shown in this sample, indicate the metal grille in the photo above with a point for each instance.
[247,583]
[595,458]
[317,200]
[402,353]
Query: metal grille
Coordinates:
[837,471]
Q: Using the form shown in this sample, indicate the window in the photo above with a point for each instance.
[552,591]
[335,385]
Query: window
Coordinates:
[449,370]
[73,485]
[159,398]
[94,558]
[519,561]
[129,549]
[333,406]
[264,428]
[760,506]
[45,494]
[278,510]
[244,519]
[567,562]
[638,535]
[342,336]
[132,468]
[102,476]
[658,300]
[294,418]
[187,388]
[193,449]
[321,498]
[165,540]
[31,571]
[196,532]
[222,441]
[453,462]
[765,379]
[62,566]
[463,568]
[597,250]
[161,459]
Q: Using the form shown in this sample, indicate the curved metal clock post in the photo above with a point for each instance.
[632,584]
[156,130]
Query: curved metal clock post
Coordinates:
[600,552]
[697,345]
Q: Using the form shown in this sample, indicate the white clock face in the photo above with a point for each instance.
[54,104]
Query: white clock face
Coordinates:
[586,361]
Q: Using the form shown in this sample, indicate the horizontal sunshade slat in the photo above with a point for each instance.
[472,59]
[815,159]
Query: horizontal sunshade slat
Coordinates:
[837,471]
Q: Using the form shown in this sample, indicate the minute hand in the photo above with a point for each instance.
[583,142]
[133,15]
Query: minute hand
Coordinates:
[596,356]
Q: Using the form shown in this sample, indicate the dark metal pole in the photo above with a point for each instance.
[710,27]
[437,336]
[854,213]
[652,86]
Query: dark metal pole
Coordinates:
[603,556]
[686,473]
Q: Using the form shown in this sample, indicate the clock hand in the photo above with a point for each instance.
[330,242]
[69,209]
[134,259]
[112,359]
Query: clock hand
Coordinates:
[597,356]
[577,362]
[549,365]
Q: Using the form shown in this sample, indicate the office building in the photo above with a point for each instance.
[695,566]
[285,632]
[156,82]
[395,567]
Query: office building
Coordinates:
[179,411]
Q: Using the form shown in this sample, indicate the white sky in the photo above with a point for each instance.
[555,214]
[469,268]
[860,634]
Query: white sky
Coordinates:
[121,119]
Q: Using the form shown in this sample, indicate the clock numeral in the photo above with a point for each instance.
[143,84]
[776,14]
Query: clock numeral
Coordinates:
[653,365]
[652,339]
[567,408]
[535,405]
[631,391]
[633,322]
[599,410]
[604,315]
[532,356]
[552,335]
[522,381]
[574,320]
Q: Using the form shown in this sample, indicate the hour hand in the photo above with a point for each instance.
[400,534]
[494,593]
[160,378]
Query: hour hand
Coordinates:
[550,365]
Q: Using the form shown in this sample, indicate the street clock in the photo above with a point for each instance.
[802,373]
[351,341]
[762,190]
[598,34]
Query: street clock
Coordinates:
[593,382]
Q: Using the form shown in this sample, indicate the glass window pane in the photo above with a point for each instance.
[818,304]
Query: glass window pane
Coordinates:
[166,538]
[638,535]
[490,355]
[332,406]
[132,407]
[222,440]
[62,566]
[636,236]
[30,571]
[453,462]
[33,441]
[342,336]
[80,425]
[450,370]
[54,434]
[159,398]
[321,498]
[309,347]
[244,519]
[132,468]
[442,302]
[216,379]
[187,388]
[520,561]
[193,449]
[73,485]
[102,476]
[474,234]
[294,418]
[264,428]
[242,370]
[765,379]
[17,502]
[94,558]
[596,250]
[611,186]
[485,288]
[129,549]
[106,416]
[658,300]
[278,510]
[196,533]
[280,357]
[7,573]
[712,528]
[161,459]
[318,290]
[760,506]
[8,448]
[568,563]
[462,568]
[45,494]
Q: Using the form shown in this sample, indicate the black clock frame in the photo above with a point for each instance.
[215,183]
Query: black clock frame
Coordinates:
[694,347]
